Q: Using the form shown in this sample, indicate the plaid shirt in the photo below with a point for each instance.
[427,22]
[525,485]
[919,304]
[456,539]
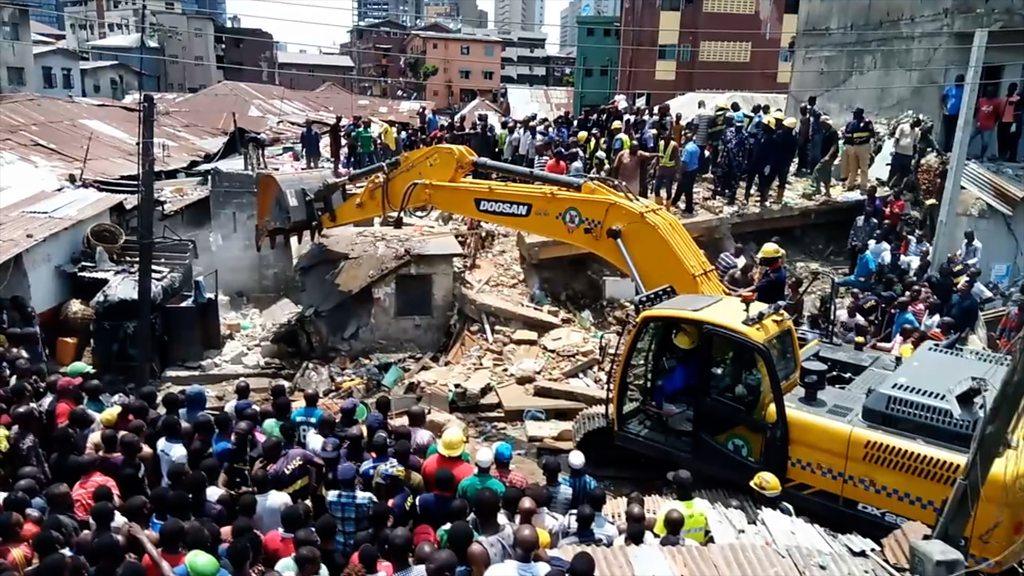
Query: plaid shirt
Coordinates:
[511,478]
[351,510]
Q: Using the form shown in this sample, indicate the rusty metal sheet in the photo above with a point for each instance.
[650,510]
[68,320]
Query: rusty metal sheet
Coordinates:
[20,231]
[749,558]
[896,546]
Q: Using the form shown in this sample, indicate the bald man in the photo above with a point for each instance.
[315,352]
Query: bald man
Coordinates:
[527,543]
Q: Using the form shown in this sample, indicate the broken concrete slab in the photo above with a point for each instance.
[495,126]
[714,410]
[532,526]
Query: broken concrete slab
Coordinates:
[524,337]
[515,401]
[279,312]
[559,430]
[477,304]
[568,341]
[567,391]
[578,367]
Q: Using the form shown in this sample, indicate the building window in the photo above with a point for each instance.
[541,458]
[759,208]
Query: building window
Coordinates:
[607,32]
[729,6]
[488,75]
[15,75]
[113,84]
[604,70]
[464,49]
[724,51]
[49,78]
[588,72]
[488,50]
[667,51]
[673,4]
[96,86]
[436,93]
[181,87]
[70,27]
[590,32]
[198,32]
[12,31]
[199,60]
[67,81]
[110,26]
[169,6]
[685,53]
[414,295]
[435,45]
[464,74]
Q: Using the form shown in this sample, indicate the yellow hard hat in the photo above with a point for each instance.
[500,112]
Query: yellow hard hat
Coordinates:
[778,115]
[108,418]
[770,122]
[581,136]
[685,337]
[452,443]
[617,125]
[769,250]
[766,483]
[789,122]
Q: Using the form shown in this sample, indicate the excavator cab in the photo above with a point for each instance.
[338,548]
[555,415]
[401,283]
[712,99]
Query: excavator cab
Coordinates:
[693,388]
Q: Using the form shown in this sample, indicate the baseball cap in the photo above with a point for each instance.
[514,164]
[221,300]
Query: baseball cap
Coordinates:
[374,421]
[201,563]
[577,460]
[484,457]
[331,448]
[347,472]
[242,406]
[502,452]
[78,368]
[222,451]
[349,406]
[108,417]
[67,384]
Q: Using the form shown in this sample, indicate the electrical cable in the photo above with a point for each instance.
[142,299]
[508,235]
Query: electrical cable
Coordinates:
[825,50]
[488,86]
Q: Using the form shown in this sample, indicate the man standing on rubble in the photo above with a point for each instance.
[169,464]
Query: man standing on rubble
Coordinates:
[829,151]
[334,140]
[952,98]
[857,151]
[310,143]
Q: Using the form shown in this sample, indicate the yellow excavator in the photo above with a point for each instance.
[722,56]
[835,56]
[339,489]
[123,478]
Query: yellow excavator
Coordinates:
[710,381]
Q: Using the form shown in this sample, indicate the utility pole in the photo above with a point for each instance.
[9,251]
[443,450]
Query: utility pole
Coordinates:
[993,438]
[946,234]
[144,333]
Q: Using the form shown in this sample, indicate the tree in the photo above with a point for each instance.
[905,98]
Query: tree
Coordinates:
[429,70]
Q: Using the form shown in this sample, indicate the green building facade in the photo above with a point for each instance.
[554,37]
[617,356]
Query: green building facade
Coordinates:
[597,60]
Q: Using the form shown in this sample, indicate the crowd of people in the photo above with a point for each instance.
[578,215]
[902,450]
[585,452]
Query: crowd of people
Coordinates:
[101,482]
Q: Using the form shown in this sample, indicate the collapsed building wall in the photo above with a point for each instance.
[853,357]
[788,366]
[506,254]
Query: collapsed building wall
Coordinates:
[909,47]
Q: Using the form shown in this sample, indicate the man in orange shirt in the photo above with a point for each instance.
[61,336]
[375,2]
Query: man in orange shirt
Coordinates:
[92,478]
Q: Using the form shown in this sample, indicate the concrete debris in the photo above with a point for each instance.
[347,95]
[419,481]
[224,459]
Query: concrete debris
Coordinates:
[524,337]
[559,430]
[574,389]
[476,304]
[568,342]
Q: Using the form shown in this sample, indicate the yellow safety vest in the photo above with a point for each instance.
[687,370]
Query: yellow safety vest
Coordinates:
[666,154]
[695,525]
[625,141]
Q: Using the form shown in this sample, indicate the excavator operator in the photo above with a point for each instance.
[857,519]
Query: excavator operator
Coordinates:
[680,377]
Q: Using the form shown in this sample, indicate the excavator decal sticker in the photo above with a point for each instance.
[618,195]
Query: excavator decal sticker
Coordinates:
[572,218]
[503,207]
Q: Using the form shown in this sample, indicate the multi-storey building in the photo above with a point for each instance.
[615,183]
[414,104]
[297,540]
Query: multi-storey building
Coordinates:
[597,66]
[669,47]
[511,15]
[451,69]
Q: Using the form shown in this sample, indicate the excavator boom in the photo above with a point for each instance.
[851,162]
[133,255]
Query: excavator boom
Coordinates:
[634,235]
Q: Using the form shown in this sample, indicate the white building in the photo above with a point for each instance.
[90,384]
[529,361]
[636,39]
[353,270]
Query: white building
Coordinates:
[190,59]
[524,15]
[90,20]
[16,47]
[108,79]
[55,71]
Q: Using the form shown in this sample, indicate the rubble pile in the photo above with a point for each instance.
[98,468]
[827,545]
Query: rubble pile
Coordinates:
[247,336]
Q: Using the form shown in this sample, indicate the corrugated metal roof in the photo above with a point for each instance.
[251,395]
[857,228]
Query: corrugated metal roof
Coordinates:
[122,41]
[340,60]
[1000,185]
[544,101]
[31,219]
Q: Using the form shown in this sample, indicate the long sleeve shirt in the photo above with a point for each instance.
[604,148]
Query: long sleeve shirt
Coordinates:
[970,254]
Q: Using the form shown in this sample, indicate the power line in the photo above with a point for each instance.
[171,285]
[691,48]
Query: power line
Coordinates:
[491,87]
[653,48]
[424,16]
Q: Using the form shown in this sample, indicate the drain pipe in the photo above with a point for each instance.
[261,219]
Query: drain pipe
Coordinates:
[615,233]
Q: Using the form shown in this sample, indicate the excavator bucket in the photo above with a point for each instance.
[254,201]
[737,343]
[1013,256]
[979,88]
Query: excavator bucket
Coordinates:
[286,205]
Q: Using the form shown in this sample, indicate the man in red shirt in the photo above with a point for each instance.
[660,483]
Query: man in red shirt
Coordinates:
[990,108]
[67,399]
[557,164]
[449,457]
[82,493]
[280,543]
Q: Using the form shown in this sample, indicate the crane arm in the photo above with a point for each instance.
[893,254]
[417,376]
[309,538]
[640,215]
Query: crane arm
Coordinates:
[632,234]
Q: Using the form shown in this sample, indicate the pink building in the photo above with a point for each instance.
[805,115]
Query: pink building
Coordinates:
[451,69]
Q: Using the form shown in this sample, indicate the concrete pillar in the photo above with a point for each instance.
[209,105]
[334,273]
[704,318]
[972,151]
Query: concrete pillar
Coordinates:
[947,234]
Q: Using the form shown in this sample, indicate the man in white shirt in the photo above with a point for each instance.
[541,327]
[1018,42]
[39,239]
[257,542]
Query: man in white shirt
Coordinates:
[847,322]
[269,503]
[905,145]
[522,563]
[169,448]
[970,249]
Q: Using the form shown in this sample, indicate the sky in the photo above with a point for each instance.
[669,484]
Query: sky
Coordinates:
[335,17]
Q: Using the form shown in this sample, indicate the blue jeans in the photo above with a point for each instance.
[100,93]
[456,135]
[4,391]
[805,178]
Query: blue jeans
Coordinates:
[854,282]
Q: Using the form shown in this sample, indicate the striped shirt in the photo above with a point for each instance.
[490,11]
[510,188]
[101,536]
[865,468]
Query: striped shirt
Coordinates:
[561,498]
[540,163]
[727,263]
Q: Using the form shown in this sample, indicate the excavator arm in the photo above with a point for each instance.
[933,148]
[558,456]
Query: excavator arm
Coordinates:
[633,234]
